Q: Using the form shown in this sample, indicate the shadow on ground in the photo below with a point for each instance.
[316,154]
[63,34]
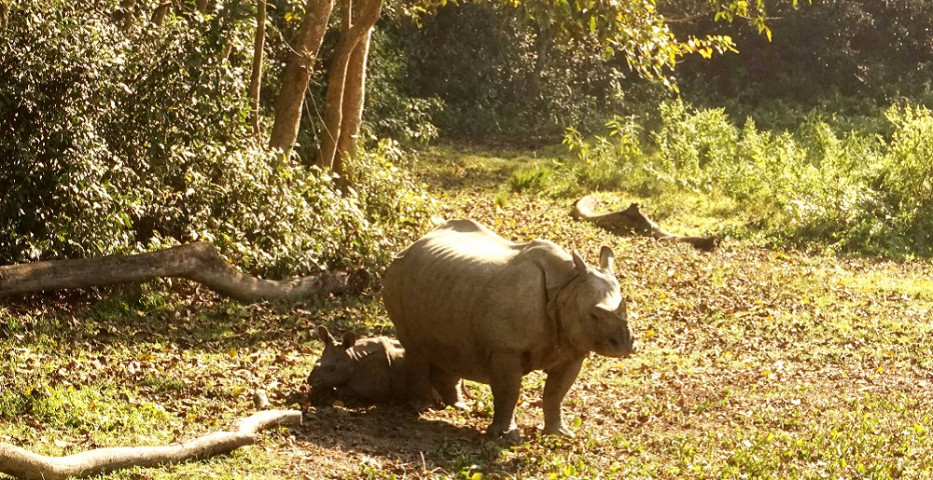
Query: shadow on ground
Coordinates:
[396,440]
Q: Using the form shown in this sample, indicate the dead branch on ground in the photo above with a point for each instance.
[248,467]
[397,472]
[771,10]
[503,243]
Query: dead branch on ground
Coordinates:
[198,262]
[632,221]
[22,463]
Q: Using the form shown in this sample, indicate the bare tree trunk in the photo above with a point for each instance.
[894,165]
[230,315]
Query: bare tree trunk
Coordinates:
[201,5]
[297,73]
[255,80]
[631,220]
[354,97]
[158,16]
[335,82]
[198,262]
[22,463]
[363,22]
[4,14]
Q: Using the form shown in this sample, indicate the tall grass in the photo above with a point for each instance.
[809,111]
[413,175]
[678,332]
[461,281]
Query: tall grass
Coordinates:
[845,190]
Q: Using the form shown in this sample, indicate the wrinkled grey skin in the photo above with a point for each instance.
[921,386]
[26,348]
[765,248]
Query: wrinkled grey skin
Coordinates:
[468,303]
[365,371]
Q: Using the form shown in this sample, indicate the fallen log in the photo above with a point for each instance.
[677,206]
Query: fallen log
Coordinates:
[632,221]
[22,463]
[198,262]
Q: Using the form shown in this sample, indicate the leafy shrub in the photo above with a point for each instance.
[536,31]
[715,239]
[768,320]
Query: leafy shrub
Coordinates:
[390,112]
[533,177]
[851,191]
[611,162]
[397,207]
[693,144]
[120,140]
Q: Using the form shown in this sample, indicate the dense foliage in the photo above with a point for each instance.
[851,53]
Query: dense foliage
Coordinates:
[116,139]
[513,79]
[852,58]
[118,135]
[850,191]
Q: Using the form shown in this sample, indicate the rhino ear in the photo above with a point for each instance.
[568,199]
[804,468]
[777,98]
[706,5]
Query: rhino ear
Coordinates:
[349,339]
[324,335]
[578,264]
[606,258]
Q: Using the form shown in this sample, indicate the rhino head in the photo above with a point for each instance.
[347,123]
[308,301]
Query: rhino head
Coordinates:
[591,311]
[337,362]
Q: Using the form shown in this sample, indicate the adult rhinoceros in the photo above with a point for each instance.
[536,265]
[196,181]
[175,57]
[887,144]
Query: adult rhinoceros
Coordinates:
[471,304]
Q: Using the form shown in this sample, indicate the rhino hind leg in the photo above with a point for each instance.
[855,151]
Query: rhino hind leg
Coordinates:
[447,386]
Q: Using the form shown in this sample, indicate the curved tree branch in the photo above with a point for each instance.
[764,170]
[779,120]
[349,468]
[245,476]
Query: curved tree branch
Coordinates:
[198,262]
[22,463]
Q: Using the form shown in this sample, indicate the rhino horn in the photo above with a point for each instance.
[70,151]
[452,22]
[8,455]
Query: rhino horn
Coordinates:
[324,335]
[578,264]
[606,258]
[349,339]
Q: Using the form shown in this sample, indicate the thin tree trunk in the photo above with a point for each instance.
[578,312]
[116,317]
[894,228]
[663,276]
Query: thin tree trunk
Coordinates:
[363,23]
[354,97]
[4,14]
[158,16]
[198,262]
[255,80]
[291,97]
[201,5]
[22,463]
[333,100]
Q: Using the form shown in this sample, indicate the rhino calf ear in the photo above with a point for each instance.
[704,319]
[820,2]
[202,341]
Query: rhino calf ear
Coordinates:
[324,335]
[349,339]
[606,259]
[578,264]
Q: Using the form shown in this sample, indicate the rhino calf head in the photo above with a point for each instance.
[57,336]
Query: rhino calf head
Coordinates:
[337,363]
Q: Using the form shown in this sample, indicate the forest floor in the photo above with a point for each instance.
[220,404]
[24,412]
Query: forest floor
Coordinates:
[751,363]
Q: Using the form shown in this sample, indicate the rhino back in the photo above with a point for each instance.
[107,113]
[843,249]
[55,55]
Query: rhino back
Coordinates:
[462,292]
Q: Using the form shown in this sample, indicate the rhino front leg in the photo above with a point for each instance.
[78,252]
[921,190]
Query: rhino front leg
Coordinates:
[506,384]
[559,380]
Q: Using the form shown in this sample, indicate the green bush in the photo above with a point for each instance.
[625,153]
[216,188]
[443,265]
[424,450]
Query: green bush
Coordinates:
[118,140]
[528,178]
[611,162]
[692,145]
[397,207]
[390,112]
[849,191]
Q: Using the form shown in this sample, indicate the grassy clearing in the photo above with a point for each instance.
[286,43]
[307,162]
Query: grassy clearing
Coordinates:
[752,363]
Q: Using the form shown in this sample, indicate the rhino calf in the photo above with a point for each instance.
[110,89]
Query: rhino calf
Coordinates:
[370,371]
[470,304]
